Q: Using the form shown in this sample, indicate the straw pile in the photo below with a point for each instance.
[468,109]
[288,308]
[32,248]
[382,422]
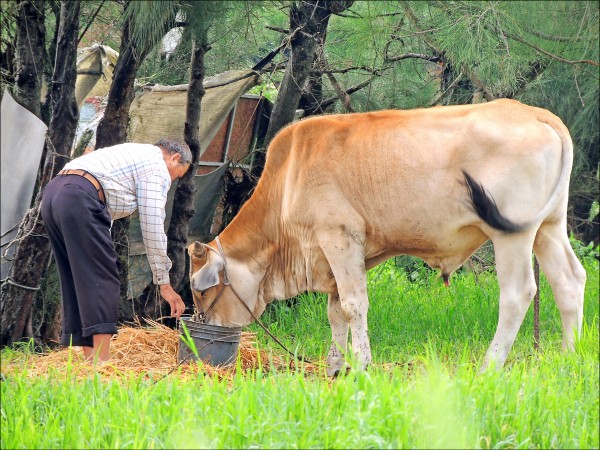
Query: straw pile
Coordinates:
[147,351]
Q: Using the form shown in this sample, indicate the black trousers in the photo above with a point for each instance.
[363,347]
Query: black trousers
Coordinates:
[78,226]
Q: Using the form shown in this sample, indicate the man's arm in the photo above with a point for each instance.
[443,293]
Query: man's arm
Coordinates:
[173,299]
[152,200]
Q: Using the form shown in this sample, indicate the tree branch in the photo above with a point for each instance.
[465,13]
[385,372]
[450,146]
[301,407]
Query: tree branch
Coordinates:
[90,22]
[550,37]
[412,55]
[415,23]
[346,70]
[278,29]
[342,95]
[330,101]
[551,55]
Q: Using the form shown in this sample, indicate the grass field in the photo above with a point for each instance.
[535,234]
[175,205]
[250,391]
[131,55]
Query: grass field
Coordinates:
[423,391]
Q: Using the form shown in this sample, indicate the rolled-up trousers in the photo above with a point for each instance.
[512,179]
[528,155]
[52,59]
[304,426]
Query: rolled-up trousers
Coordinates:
[78,226]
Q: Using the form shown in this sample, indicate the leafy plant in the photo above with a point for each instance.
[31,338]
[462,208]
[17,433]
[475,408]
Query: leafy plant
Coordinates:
[266,89]
[188,340]
[585,253]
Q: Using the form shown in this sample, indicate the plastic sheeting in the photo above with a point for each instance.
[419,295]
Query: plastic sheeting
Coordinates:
[160,111]
[95,66]
[209,188]
[22,139]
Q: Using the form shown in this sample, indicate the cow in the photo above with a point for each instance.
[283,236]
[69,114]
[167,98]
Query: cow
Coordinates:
[340,194]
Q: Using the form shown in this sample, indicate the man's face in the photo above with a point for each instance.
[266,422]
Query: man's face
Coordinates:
[176,170]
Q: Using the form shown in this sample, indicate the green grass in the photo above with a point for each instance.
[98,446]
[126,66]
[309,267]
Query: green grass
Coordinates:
[433,398]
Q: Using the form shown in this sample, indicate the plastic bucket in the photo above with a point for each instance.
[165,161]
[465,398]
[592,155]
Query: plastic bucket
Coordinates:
[216,345]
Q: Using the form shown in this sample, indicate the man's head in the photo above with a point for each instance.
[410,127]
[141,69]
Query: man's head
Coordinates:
[177,156]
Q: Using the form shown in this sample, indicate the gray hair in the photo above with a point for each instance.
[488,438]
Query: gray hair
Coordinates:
[176,145]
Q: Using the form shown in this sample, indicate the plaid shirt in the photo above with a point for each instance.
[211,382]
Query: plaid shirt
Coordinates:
[135,176]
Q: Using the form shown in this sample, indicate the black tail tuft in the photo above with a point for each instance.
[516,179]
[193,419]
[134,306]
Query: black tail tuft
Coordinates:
[485,207]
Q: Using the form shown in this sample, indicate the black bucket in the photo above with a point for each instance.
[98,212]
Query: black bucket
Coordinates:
[215,345]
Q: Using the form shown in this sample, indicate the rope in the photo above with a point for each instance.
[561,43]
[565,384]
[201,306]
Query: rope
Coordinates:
[226,283]
[299,358]
[9,281]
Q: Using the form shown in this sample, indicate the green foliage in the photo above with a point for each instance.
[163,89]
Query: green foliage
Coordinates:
[239,40]
[594,211]
[266,89]
[589,253]
[187,340]
[156,69]
[151,20]
[416,269]
[236,36]
[105,23]
[8,21]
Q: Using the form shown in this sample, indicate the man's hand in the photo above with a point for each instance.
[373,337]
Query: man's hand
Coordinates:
[174,300]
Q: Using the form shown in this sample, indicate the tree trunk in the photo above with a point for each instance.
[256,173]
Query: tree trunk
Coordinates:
[183,202]
[46,107]
[33,248]
[31,33]
[112,130]
[308,22]
[457,91]
[312,95]
[49,56]
[28,71]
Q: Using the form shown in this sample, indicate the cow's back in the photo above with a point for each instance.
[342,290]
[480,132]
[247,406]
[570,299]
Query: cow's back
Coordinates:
[400,171]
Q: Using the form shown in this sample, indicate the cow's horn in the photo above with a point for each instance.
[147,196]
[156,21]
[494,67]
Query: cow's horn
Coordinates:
[198,250]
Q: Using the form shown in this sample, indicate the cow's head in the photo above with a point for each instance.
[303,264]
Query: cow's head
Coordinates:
[207,284]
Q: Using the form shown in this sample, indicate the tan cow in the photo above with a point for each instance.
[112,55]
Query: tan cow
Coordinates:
[342,193]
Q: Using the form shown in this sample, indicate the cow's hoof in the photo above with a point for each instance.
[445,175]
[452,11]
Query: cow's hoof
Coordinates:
[341,372]
[335,370]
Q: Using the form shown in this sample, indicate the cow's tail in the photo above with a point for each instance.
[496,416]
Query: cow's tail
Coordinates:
[485,206]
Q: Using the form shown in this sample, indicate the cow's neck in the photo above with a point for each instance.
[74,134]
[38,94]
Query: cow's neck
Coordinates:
[254,238]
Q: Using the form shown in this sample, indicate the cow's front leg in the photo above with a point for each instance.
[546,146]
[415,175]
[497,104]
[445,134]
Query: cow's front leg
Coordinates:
[344,251]
[339,336]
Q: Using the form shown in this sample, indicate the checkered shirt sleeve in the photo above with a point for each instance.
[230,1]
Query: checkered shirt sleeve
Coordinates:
[151,193]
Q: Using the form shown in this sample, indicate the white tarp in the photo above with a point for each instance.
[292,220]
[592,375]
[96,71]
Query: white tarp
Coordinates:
[95,67]
[23,137]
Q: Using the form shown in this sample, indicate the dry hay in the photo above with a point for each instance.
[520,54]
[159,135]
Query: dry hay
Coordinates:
[150,352]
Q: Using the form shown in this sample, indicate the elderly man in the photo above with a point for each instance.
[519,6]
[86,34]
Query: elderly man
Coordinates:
[78,207]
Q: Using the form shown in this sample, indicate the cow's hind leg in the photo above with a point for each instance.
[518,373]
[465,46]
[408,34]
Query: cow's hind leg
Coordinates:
[344,249]
[565,274]
[517,288]
[339,335]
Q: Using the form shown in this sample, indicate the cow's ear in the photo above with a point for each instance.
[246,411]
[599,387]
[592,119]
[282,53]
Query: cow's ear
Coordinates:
[197,250]
[208,275]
